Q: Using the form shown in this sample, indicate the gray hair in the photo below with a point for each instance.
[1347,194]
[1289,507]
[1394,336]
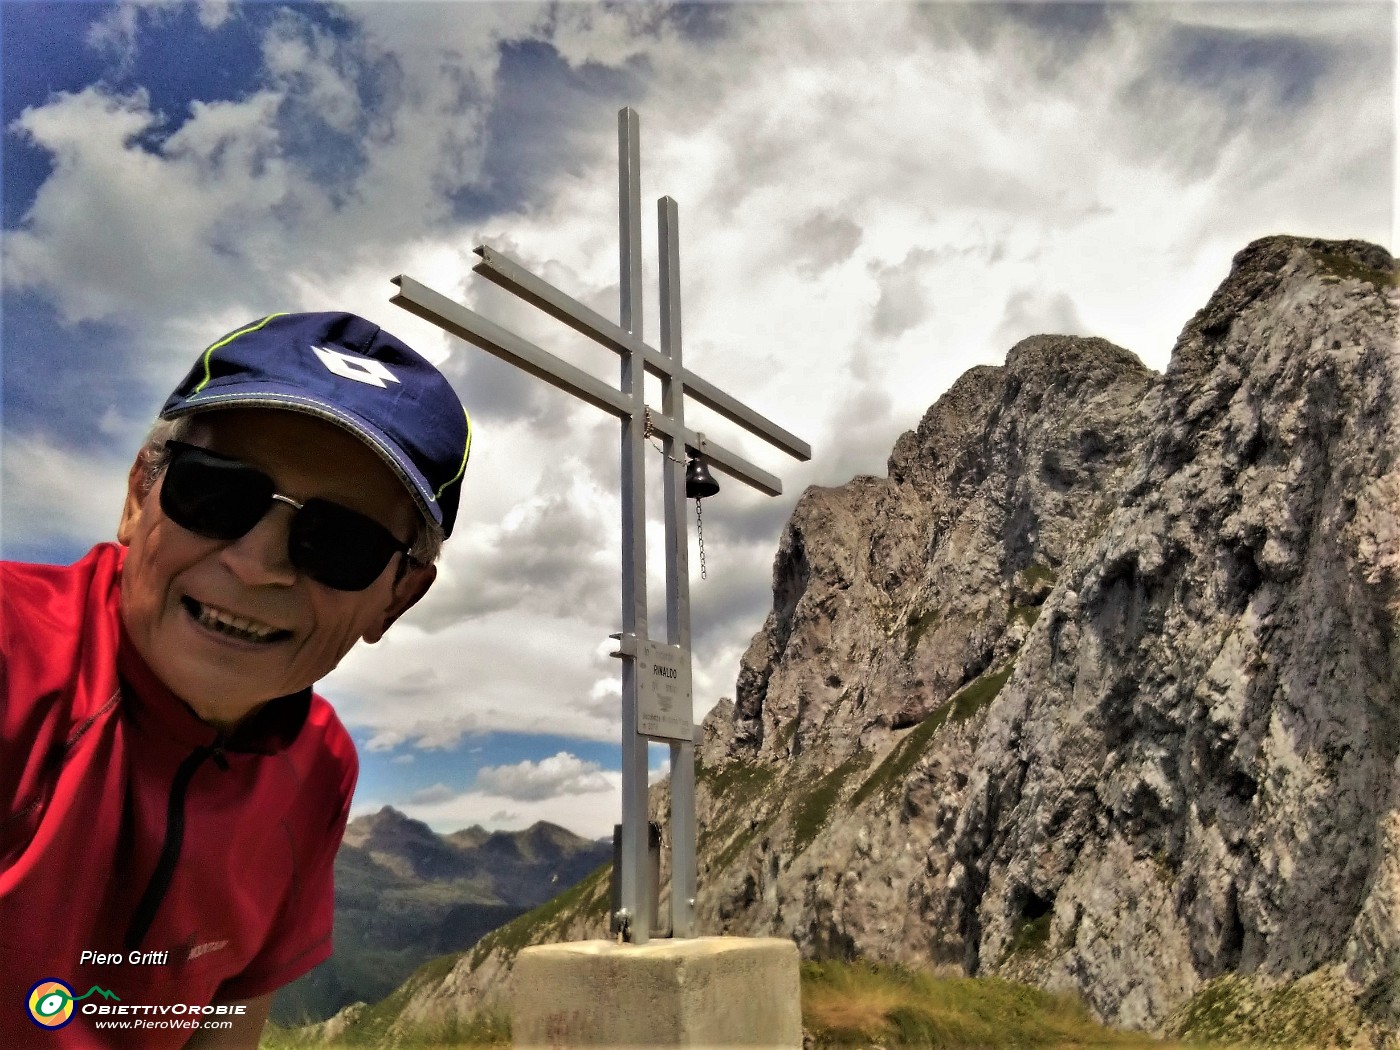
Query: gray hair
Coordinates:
[427,546]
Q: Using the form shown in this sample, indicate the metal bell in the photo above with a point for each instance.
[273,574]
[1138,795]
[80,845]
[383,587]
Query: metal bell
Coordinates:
[698,482]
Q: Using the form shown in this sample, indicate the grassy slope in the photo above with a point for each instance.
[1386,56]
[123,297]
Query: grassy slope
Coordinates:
[864,1005]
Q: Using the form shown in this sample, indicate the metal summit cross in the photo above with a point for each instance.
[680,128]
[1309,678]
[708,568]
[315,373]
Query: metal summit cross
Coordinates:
[656,699]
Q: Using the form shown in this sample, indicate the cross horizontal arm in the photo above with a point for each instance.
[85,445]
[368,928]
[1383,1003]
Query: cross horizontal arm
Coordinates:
[713,397]
[500,269]
[504,271]
[720,457]
[465,323]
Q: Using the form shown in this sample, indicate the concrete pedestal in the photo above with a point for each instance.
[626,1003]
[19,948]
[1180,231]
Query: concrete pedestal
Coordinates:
[698,992]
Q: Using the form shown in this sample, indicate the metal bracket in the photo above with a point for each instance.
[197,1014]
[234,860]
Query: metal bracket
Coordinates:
[627,646]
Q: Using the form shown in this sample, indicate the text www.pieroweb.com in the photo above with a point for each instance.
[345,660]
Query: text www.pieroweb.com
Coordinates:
[187,1018]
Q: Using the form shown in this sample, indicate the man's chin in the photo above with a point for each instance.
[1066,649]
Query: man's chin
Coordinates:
[222,707]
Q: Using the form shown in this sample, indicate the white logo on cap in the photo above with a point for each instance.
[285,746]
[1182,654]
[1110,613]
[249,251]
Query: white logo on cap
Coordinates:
[361,369]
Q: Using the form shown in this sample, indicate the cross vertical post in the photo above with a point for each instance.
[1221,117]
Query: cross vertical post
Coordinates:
[635,889]
[677,565]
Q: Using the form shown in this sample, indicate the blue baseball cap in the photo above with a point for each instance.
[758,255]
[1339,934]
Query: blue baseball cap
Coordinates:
[350,372]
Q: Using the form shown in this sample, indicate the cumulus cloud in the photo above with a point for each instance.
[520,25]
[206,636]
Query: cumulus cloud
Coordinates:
[901,304]
[432,734]
[213,13]
[560,774]
[823,240]
[52,495]
[115,33]
[542,555]
[429,795]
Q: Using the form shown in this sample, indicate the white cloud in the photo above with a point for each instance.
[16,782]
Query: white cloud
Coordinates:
[429,795]
[303,61]
[50,495]
[1035,311]
[902,304]
[560,774]
[214,13]
[88,239]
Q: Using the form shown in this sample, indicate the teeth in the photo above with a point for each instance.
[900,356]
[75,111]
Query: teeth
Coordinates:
[237,626]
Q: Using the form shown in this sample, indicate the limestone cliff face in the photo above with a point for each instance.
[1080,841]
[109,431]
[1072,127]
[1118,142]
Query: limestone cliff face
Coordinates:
[890,594]
[1100,687]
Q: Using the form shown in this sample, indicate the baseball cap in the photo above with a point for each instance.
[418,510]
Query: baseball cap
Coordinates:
[350,372]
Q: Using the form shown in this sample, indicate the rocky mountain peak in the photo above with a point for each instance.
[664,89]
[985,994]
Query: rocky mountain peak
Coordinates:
[388,828]
[1100,687]
[920,582]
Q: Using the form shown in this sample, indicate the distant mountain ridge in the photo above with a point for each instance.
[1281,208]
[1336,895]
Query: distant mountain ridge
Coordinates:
[405,894]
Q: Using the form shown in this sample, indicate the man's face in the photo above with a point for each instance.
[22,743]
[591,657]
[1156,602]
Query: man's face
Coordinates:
[228,625]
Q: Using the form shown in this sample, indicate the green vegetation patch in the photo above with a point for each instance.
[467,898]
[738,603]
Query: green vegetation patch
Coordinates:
[282,1037]
[1036,573]
[736,782]
[1235,1009]
[918,626]
[965,703]
[588,899]
[973,698]
[1027,614]
[738,788]
[483,1028]
[814,807]
[896,766]
[739,843]
[1033,935]
[487,1027]
[371,1028]
[864,1004]
[1347,268]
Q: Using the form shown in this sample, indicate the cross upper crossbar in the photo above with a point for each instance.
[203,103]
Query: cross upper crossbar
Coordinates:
[419,299]
[499,268]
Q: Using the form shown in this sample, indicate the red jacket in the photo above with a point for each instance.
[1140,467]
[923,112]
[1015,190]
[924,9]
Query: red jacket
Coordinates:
[132,831]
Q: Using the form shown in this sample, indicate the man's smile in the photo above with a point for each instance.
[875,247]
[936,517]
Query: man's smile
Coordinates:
[231,624]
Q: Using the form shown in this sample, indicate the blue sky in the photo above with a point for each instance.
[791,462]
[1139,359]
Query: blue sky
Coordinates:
[873,198]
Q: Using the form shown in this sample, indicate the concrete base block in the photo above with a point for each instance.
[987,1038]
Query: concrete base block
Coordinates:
[698,992]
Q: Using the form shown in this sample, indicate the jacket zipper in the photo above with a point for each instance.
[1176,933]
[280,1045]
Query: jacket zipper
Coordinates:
[156,889]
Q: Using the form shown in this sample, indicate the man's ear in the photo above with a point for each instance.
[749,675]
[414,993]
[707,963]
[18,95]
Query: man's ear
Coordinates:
[137,489]
[407,591]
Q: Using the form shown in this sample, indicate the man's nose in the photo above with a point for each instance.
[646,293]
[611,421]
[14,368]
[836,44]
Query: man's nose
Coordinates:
[260,556]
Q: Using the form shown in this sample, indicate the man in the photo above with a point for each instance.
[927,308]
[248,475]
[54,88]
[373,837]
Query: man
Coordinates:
[172,794]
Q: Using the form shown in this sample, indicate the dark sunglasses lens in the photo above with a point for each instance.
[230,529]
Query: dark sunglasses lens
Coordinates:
[339,547]
[215,497]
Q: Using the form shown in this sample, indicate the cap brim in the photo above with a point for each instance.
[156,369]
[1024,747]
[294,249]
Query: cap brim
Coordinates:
[295,399]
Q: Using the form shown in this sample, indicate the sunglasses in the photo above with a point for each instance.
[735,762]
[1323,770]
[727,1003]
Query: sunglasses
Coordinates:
[222,499]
